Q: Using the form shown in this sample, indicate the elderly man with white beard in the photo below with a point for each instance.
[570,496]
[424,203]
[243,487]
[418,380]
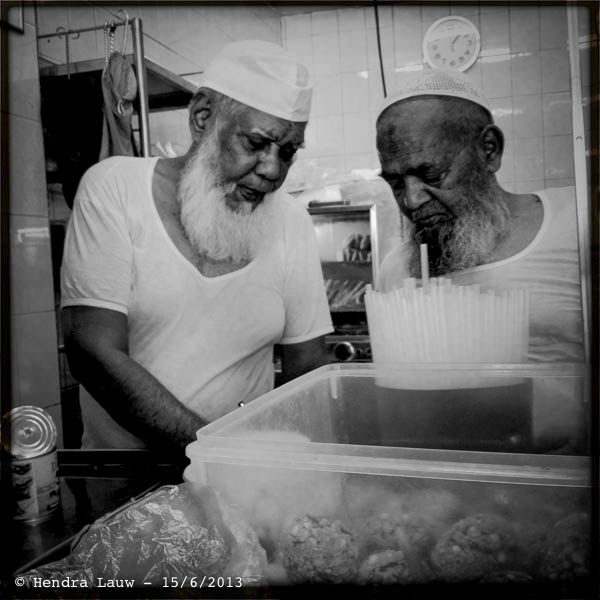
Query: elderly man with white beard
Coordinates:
[179,275]
[440,151]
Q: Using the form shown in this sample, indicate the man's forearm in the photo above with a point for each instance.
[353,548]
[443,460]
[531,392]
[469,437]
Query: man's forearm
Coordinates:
[137,400]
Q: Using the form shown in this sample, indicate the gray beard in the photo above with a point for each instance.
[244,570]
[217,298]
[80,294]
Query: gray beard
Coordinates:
[214,230]
[467,241]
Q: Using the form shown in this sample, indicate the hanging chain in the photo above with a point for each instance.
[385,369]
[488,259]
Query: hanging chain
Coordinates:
[106,55]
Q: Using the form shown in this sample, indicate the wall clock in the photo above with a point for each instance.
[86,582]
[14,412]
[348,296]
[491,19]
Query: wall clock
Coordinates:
[451,43]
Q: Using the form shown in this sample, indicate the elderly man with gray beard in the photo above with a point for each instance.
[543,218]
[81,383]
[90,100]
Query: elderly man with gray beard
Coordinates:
[180,275]
[440,151]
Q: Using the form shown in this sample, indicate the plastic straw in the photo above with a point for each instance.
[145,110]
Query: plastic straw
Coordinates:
[441,322]
[424,266]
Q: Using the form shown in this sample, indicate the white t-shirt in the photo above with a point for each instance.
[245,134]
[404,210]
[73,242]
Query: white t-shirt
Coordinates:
[548,267]
[208,340]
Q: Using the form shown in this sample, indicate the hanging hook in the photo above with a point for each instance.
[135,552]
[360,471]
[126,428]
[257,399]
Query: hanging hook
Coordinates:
[126,26]
[62,31]
[122,11]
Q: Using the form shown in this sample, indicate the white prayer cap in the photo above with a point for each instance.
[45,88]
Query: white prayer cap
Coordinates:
[262,75]
[437,82]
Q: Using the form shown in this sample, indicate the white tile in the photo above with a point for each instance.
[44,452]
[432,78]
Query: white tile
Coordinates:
[327,97]
[556,76]
[326,54]
[355,92]
[327,169]
[385,16]
[302,49]
[31,285]
[524,29]
[50,17]
[85,47]
[527,116]
[502,111]
[324,22]
[296,26]
[495,33]
[558,157]
[529,159]
[353,51]
[23,79]
[431,13]
[559,183]
[27,182]
[357,161]
[526,73]
[558,117]
[529,186]
[34,349]
[475,72]
[351,19]
[496,76]
[554,33]
[408,46]
[507,169]
[359,136]
[387,48]
[330,135]
[375,90]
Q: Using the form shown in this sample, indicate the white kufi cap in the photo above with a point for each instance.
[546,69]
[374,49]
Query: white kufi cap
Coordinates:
[261,75]
[437,82]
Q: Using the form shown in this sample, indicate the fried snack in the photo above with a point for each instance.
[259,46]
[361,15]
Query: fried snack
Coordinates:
[317,549]
[472,548]
[401,532]
[394,532]
[566,554]
[387,567]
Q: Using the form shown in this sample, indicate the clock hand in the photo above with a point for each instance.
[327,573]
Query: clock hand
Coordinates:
[454,42]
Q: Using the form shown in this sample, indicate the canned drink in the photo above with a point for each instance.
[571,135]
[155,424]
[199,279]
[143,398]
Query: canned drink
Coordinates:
[29,437]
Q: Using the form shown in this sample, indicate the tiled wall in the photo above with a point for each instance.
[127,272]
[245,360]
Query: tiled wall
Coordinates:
[523,69]
[182,39]
[34,358]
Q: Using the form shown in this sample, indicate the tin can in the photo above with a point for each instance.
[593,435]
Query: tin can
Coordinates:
[29,438]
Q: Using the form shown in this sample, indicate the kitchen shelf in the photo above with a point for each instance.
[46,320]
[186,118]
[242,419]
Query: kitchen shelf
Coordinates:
[166,90]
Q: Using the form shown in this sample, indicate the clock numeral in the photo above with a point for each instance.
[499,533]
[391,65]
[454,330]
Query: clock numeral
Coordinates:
[467,52]
[452,63]
[470,43]
[438,56]
[461,59]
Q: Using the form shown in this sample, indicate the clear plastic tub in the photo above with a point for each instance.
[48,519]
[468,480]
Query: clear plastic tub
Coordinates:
[334,445]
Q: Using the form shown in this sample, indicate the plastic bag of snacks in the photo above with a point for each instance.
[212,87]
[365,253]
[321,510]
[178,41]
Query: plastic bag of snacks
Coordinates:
[174,536]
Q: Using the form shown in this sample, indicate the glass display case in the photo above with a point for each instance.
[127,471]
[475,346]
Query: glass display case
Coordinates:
[347,238]
[349,250]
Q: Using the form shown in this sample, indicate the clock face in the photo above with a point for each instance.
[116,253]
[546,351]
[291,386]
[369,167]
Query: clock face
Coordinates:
[451,43]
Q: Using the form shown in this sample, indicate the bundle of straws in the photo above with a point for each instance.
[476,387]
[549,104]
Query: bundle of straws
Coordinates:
[441,322]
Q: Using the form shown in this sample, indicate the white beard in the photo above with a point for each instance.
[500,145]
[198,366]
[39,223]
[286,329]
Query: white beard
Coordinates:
[215,230]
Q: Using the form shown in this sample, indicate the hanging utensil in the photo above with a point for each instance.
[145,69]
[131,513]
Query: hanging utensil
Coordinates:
[124,12]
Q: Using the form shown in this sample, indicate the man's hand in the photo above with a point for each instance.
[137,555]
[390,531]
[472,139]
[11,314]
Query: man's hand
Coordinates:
[96,341]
